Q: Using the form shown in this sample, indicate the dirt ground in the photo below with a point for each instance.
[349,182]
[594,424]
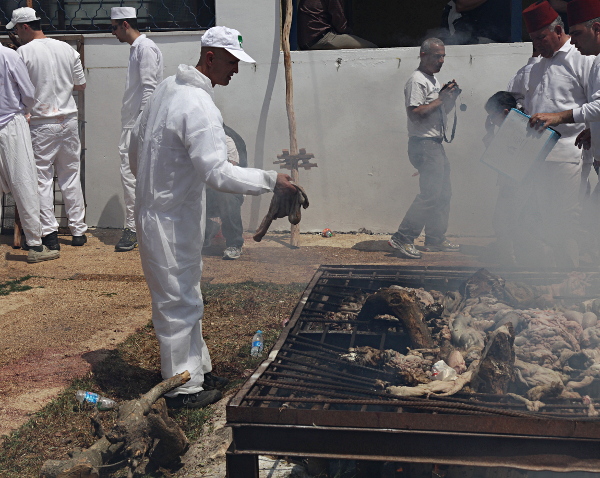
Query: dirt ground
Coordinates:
[92,298]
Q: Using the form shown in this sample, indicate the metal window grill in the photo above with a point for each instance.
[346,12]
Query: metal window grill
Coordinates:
[8,211]
[68,16]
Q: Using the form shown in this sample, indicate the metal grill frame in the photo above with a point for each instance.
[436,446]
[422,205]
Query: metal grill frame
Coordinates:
[530,443]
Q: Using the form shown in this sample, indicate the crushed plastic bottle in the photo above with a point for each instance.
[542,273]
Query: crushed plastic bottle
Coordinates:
[257,344]
[327,233]
[101,403]
[442,371]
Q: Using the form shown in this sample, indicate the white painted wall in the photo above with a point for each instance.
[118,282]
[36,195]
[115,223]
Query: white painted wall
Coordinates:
[349,111]
[106,69]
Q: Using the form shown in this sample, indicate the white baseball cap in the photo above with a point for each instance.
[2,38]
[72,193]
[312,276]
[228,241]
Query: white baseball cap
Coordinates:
[228,38]
[22,15]
[120,13]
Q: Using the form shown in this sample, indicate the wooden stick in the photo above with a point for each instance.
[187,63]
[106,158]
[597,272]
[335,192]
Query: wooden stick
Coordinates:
[17,230]
[289,105]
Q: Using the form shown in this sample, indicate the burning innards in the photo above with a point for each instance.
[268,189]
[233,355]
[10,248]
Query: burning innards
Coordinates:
[495,336]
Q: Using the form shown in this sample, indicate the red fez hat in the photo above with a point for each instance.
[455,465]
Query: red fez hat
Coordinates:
[539,15]
[580,11]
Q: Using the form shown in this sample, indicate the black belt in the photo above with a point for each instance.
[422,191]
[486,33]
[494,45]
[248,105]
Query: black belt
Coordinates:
[423,138]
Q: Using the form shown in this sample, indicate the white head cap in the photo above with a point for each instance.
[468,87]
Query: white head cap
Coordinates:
[228,38]
[22,15]
[120,13]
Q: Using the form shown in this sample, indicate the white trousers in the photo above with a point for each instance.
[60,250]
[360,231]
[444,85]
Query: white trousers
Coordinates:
[57,148]
[170,248]
[557,188]
[127,179]
[19,176]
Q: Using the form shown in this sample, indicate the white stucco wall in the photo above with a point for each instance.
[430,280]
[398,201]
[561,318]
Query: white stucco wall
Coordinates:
[106,69]
[349,111]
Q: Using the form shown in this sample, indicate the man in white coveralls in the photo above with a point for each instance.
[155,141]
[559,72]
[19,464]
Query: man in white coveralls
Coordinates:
[177,149]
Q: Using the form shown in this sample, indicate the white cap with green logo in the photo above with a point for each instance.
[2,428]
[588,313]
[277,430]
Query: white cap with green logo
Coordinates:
[228,38]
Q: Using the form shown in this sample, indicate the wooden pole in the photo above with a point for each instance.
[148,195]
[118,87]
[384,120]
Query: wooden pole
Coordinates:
[30,3]
[289,105]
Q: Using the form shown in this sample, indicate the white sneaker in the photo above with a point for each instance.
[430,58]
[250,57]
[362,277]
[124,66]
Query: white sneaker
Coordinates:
[232,253]
[45,254]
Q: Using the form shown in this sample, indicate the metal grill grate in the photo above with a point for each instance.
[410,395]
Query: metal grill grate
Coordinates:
[304,389]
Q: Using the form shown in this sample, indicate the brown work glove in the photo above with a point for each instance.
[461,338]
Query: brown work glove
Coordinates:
[282,205]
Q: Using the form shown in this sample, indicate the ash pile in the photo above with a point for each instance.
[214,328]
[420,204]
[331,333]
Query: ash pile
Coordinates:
[535,348]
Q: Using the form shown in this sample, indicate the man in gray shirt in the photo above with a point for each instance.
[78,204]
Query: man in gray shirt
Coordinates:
[426,106]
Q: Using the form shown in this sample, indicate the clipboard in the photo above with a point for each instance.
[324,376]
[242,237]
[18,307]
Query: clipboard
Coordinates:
[516,147]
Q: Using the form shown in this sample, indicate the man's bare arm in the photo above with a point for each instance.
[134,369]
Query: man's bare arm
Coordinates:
[79,87]
[544,120]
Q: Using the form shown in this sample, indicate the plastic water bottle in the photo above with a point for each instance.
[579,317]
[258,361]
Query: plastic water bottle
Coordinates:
[102,403]
[257,344]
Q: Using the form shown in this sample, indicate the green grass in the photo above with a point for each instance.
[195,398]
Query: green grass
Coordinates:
[232,314]
[15,285]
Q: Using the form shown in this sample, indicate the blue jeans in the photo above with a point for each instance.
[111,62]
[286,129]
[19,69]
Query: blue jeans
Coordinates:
[431,207]
[227,206]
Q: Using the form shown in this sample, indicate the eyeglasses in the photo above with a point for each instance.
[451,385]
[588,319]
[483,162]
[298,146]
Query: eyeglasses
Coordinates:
[114,27]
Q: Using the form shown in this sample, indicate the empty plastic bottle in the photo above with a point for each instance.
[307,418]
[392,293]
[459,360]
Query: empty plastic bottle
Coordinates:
[102,403]
[257,344]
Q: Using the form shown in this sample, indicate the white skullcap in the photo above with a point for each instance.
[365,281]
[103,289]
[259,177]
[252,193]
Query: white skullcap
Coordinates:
[120,13]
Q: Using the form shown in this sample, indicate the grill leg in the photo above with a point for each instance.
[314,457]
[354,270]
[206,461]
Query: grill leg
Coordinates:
[241,466]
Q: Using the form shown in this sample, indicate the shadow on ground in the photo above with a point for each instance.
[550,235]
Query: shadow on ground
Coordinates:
[373,246]
[118,378]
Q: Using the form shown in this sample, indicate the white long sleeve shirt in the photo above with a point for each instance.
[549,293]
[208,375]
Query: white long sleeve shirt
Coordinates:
[520,81]
[54,68]
[144,73]
[557,84]
[17,94]
[589,113]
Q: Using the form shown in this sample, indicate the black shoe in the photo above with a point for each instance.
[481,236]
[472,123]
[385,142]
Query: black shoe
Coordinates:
[79,240]
[194,400]
[128,241]
[51,241]
[212,382]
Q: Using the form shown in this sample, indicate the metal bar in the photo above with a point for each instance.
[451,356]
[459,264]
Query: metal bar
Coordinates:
[324,368]
[417,404]
[342,417]
[483,449]
[359,380]
[516,33]
[315,343]
[241,466]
